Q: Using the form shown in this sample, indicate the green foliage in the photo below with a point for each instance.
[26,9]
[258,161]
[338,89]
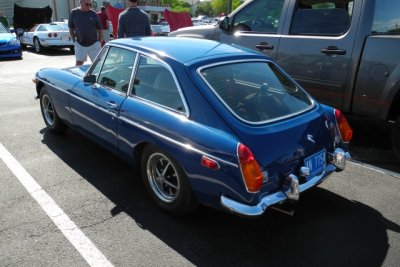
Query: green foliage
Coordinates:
[205,8]
[221,6]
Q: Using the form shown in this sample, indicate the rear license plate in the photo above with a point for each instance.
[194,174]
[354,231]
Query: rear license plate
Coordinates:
[316,163]
[65,38]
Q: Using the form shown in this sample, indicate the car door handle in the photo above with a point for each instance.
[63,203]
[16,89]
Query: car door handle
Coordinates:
[264,46]
[112,104]
[333,50]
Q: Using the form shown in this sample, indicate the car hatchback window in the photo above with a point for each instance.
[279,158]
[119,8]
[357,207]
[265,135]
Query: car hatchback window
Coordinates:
[256,92]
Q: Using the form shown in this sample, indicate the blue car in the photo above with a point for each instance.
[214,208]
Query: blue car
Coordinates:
[207,123]
[10,47]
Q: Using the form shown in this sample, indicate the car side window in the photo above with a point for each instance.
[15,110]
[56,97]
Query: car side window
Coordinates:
[386,17]
[321,18]
[260,16]
[116,68]
[155,83]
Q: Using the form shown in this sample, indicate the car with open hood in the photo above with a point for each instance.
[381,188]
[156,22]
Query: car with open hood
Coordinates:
[205,122]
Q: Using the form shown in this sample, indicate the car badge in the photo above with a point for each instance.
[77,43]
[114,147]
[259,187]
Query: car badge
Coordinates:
[310,138]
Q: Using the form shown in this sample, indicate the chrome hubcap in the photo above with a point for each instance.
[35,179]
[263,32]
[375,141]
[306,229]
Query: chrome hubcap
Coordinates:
[163,178]
[48,110]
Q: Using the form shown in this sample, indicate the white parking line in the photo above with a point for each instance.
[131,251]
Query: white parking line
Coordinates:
[82,244]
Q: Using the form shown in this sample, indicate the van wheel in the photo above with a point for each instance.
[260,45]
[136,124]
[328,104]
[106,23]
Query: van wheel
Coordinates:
[396,137]
[166,182]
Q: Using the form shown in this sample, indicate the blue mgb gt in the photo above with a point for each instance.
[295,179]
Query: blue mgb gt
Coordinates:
[205,122]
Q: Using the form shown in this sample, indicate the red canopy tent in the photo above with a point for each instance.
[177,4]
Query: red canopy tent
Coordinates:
[177,20]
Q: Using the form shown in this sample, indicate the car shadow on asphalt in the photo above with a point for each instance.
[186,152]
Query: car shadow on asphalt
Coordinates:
[326,230]
[50,52]
[371,144]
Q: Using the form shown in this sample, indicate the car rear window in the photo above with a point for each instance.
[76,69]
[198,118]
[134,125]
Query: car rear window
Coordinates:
[256,92]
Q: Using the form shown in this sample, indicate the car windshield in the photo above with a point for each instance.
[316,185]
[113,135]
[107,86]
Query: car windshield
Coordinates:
[3,29]
[256,92]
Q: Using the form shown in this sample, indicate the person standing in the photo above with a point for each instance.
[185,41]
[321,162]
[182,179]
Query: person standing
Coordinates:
[4,20]
[105,23]
[133,21]
[85,30]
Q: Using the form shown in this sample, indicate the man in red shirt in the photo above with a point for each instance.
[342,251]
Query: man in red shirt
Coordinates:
[105,22]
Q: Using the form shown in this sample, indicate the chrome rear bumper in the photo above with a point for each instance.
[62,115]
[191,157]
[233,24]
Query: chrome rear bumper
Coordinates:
[337,163]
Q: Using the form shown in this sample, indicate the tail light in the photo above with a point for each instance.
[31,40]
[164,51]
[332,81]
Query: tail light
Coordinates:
[250,170]
[55,34]
[346,133]
[50,35]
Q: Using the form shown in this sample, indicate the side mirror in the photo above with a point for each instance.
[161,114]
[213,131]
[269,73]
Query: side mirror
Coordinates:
[90,79]
[224,24]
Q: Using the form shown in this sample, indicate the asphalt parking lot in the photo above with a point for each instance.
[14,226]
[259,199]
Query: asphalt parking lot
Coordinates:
[352,219]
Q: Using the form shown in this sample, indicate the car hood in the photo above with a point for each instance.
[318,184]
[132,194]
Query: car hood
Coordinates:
[202,31]
[80,70]
[6,37]
[289,141]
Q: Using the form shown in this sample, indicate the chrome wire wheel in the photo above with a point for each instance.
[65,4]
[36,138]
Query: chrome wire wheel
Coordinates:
[48,110]
[163,178]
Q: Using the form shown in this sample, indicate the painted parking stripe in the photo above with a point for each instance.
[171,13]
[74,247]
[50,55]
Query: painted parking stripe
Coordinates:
[70,230]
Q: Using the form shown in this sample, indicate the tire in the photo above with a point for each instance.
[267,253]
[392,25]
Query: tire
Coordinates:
[50,116]
[396,137]
[37,46]
[166,182]
[72,49]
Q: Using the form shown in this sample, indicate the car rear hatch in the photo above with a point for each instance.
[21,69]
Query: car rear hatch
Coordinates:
[278,121]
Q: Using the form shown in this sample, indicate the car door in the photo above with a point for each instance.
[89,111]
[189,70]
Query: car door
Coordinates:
[317,46]
[257,25]
[27,37]
[95,106]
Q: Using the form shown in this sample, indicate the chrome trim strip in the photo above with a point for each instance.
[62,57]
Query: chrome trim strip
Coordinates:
[272,199]
[168,139]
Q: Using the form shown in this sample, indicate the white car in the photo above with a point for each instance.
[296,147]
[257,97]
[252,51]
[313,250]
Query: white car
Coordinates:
[47,35]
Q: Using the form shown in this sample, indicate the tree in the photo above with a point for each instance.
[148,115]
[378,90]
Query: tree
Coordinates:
[205,8]
[177,5]
[221,6]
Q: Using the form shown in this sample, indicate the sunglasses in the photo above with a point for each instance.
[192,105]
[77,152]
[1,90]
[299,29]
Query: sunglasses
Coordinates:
[88,4]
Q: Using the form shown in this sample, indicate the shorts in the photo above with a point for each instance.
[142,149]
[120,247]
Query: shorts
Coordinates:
[106,35]
[81,52]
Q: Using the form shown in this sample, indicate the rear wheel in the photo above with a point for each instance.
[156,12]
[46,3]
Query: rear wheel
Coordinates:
[166,182]
[37,46]
[50,116]
[396,138]
[72,49]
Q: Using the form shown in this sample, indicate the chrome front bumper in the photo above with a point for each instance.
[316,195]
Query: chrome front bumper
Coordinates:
[337,163]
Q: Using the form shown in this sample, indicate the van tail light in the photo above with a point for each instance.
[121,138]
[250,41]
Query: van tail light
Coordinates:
[251,173]
[346,133]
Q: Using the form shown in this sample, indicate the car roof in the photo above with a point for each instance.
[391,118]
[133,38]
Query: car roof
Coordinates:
[184,49]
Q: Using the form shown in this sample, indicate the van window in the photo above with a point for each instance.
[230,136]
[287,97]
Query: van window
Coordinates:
[324,18]
[259,16]
[387,17]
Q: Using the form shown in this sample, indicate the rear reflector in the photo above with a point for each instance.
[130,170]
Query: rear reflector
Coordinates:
[346,133]
[209,163]
[251,173]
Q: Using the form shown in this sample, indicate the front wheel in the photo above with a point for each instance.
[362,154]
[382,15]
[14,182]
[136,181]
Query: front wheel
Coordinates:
[166,182]
[50,116]
[396,137]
